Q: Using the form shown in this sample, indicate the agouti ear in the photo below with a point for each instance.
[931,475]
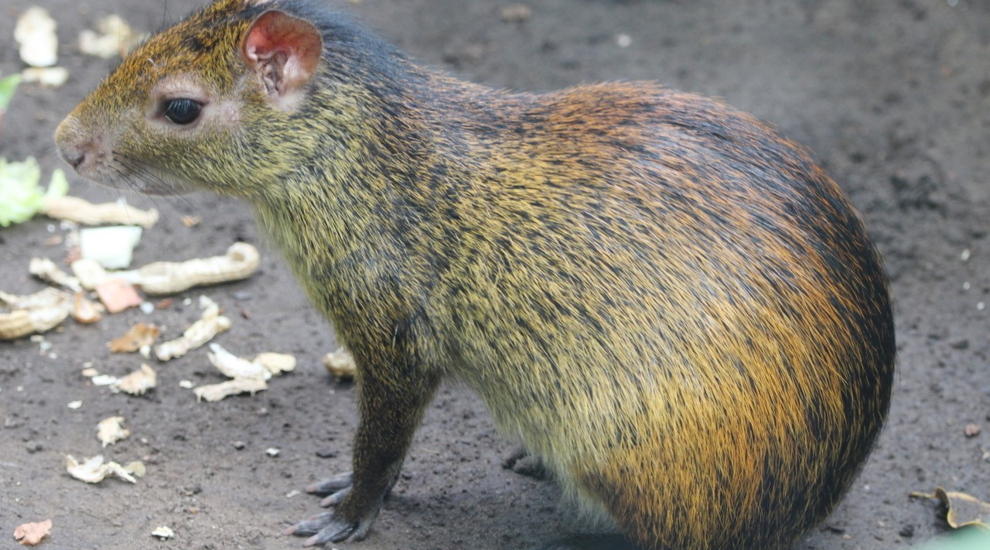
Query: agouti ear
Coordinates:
[284,52]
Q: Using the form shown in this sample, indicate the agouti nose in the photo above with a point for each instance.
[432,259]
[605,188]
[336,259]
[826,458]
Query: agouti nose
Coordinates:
[74,159]
[72,147]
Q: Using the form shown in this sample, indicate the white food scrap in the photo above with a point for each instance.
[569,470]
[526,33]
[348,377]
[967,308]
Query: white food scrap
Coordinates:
[51,77]
[35,32]
[33,313]
[78,210]
[89,273]
[94,470]
[30,534]
[113,37]
[162,532]
[248,376]
[104,380]
[340,363]
[111,430]
[276,363]
[216,392]
[233,366]
[199,333]
[112,246]
[138,382]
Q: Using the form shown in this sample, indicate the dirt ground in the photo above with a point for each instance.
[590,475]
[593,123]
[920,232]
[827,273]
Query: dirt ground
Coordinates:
[894,97]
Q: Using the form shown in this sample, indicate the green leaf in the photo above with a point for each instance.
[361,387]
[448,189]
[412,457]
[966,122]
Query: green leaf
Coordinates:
[7,87]
[21,195]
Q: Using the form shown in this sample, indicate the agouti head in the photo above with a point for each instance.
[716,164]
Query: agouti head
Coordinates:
[193,106]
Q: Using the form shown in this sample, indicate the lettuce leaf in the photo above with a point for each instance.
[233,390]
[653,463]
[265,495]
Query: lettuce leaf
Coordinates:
[20,195]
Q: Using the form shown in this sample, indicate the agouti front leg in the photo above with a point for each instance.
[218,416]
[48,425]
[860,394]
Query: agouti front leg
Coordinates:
[391,408]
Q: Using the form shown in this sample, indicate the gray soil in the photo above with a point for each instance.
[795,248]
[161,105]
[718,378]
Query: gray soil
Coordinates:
[893,97]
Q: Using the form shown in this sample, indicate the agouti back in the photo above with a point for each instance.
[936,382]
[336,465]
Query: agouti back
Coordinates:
[662,297]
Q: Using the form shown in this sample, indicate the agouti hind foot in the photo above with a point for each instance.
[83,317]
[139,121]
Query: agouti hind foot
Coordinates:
[526,464]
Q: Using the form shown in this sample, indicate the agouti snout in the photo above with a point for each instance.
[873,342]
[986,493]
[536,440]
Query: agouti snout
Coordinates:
[666,300]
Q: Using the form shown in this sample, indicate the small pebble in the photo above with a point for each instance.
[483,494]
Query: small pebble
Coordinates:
[516,13]
[271,451]
[971,430]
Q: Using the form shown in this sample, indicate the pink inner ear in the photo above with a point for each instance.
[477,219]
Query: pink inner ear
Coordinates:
[285,47]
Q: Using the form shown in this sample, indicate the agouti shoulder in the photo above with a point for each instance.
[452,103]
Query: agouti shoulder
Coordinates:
[662,297]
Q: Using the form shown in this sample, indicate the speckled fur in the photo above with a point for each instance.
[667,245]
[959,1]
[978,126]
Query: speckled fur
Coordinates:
[667,300]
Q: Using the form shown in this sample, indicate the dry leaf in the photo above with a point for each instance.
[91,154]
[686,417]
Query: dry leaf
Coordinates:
[94,470]
[111,430]
[138,336]
[117,295]
[138,382]
[86,311]
[197,334]
[963,510]
[115,38]
[233,366]
[30,534]
[46,270]
[216,392]
[276,363]
[35,32]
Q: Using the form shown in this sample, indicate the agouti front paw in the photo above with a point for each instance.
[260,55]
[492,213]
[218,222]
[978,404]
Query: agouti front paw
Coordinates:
[347,521]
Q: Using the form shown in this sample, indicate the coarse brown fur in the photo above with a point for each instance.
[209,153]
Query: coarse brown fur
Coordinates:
[668,301]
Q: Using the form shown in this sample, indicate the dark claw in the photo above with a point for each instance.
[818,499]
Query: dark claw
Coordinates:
[336,531]
[311,525]
[333,485]
[335,498]
[323,528]
[524,463]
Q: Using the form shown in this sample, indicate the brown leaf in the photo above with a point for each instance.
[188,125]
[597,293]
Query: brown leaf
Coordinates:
[138,336]
[30,534]
[963,510]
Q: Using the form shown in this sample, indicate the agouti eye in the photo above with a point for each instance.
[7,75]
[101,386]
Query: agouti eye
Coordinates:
[182,111]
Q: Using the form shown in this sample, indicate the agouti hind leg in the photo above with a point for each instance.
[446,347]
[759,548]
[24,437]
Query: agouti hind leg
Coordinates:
[391,408]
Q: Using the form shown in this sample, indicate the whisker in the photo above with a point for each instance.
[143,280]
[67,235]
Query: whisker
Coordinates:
[152,178]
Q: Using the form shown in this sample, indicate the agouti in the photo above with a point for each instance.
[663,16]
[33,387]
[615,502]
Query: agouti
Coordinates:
[663,298]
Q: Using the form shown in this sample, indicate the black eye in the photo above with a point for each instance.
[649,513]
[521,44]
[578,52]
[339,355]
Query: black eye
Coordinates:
[182,111]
